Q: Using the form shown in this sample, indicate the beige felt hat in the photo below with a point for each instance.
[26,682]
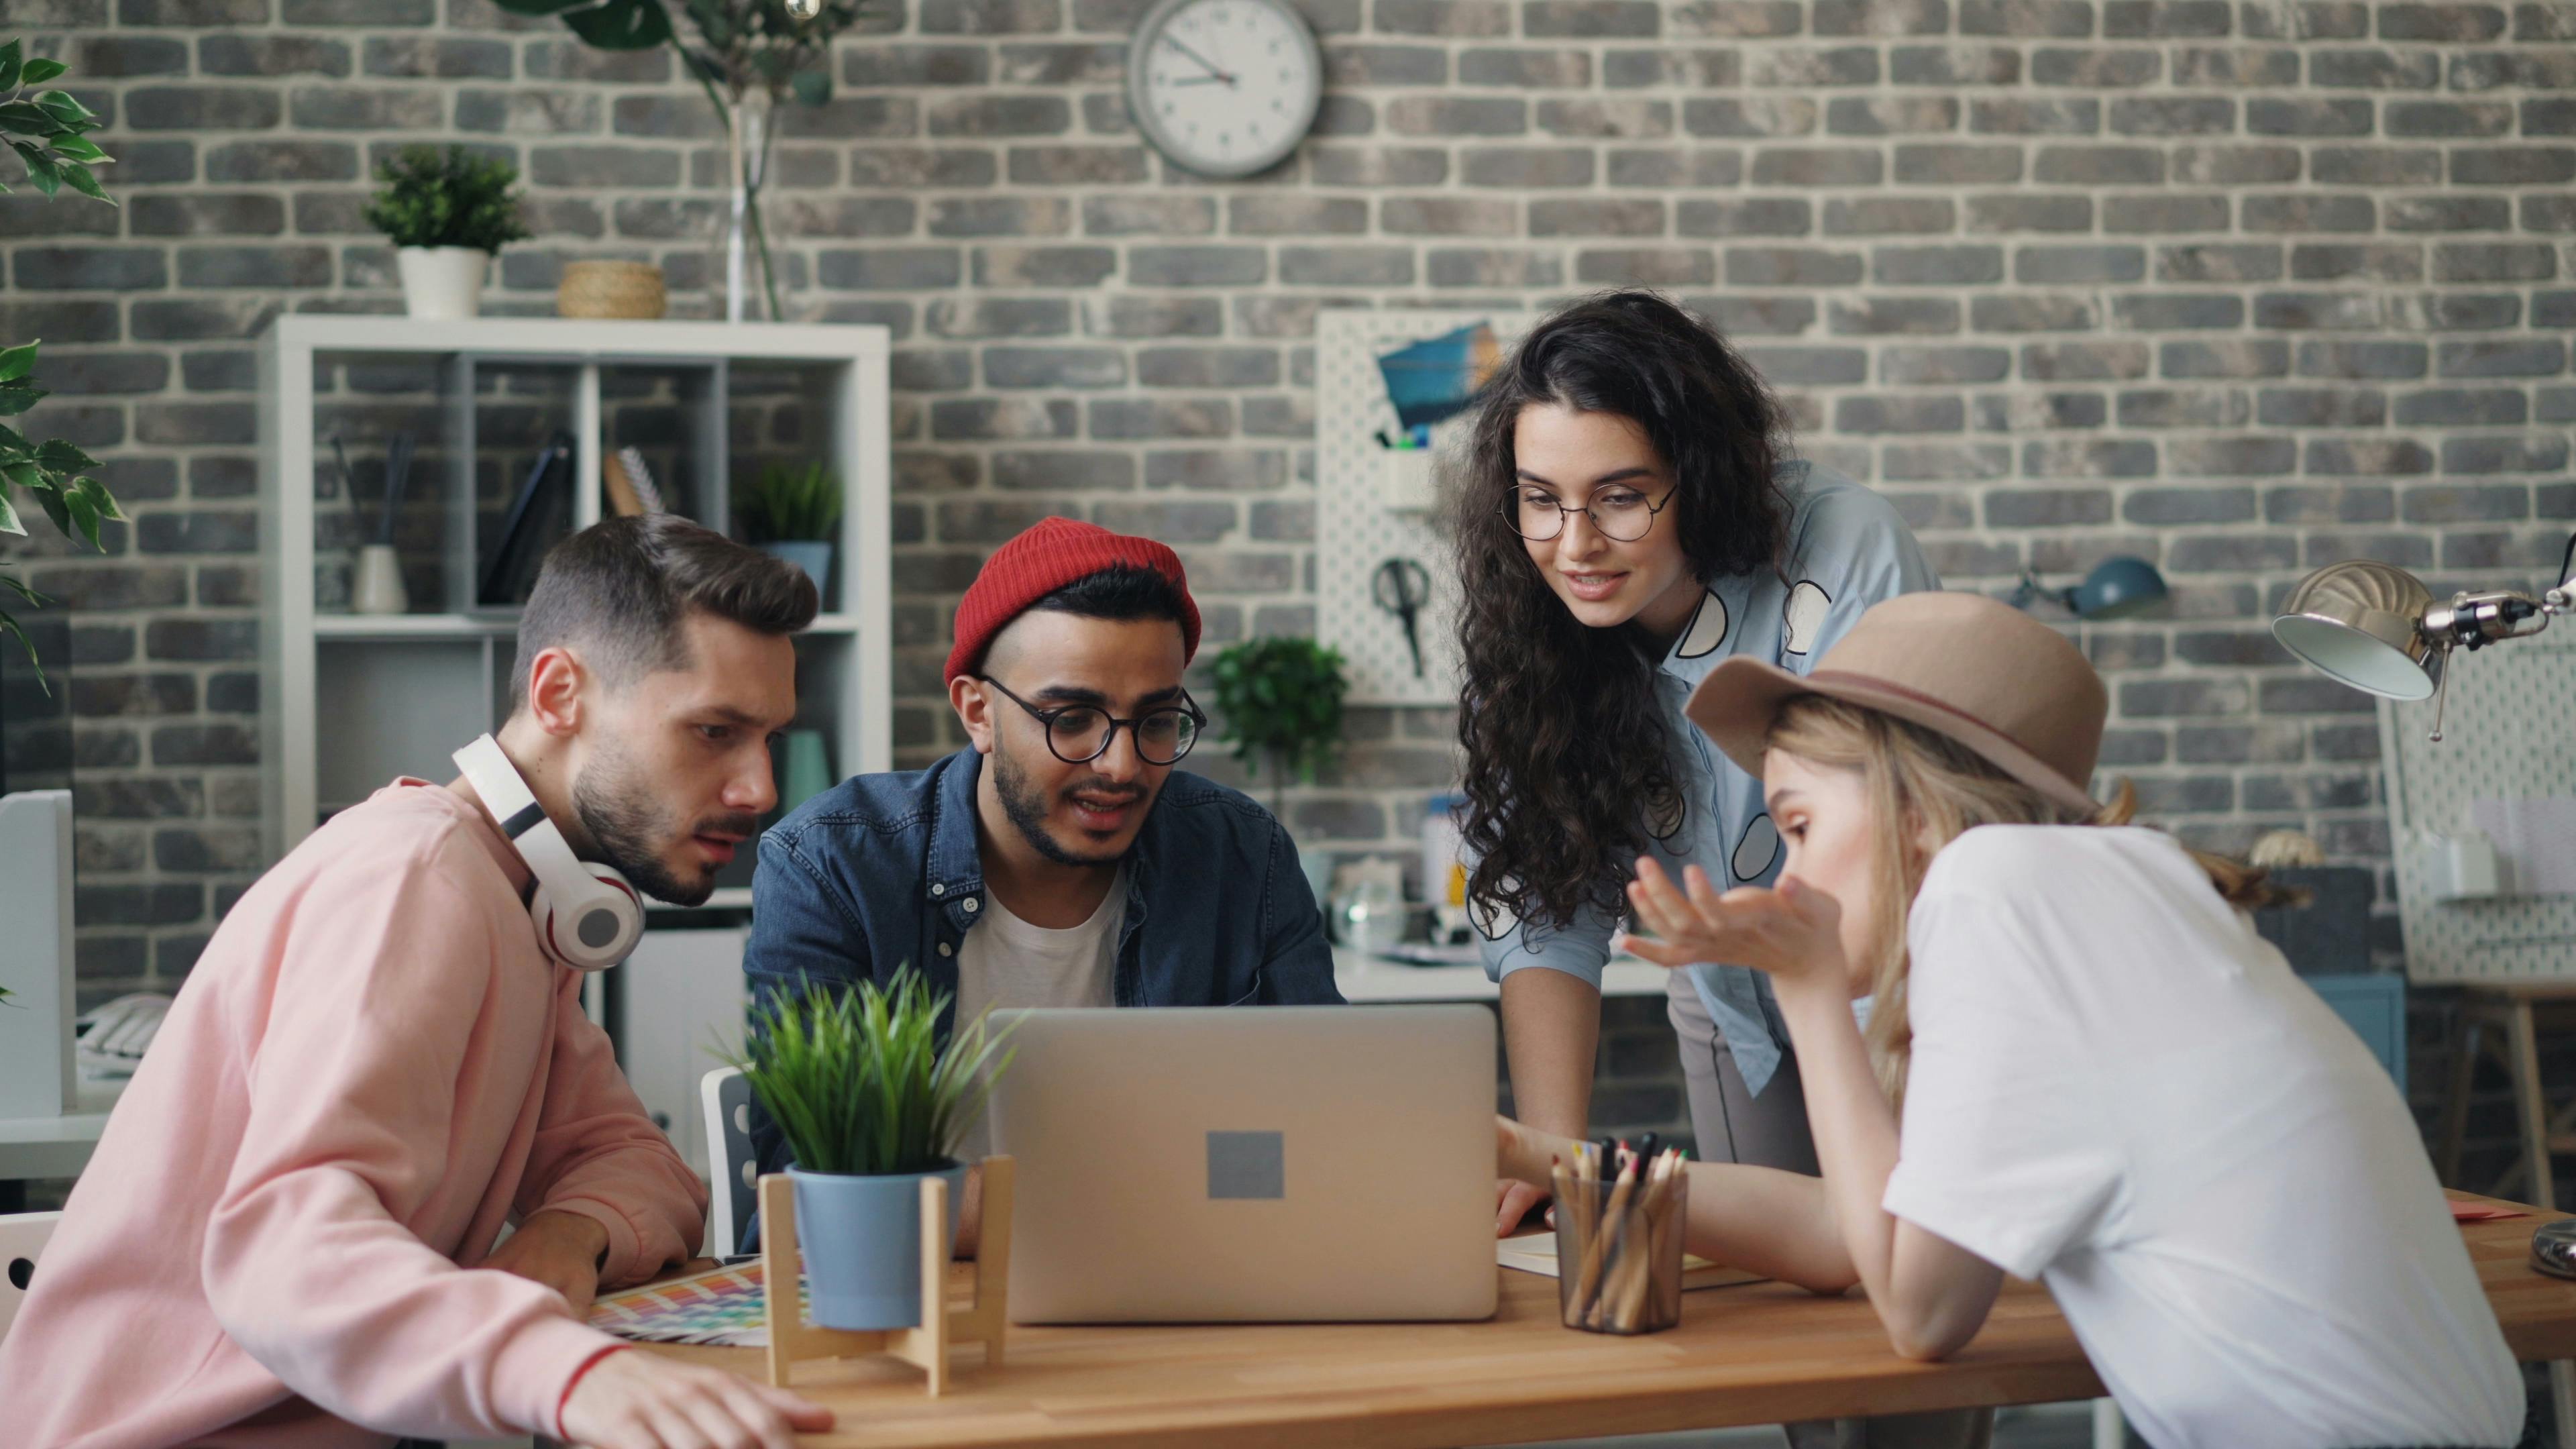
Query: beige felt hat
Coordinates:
[1975,669]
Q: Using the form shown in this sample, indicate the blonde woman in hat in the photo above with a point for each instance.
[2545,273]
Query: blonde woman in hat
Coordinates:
[2082,1065]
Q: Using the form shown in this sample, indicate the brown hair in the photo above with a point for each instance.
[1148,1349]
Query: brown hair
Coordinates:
[1920,783]
[621,590]
[1571,764]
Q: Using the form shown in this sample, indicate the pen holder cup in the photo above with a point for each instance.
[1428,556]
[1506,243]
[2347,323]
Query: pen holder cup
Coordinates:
[1619,1257]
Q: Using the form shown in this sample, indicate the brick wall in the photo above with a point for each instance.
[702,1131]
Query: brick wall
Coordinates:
[2244,288]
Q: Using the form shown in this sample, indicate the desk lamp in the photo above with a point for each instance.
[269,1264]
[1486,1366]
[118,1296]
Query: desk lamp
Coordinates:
[2119,587]
[2377,628]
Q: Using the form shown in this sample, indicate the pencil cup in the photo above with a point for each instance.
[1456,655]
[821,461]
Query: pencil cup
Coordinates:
[1619,1255]
[377,587]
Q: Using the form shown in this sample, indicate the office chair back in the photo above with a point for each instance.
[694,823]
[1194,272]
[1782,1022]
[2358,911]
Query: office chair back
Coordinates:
[733,1173]
[22,1239]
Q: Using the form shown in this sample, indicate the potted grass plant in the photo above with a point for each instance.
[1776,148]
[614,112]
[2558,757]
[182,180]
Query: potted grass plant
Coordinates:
[870,1104]
[793,511]
[446,214]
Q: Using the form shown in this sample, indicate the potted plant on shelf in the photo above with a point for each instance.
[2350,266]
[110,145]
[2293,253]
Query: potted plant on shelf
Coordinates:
[446,215]
[870,1104]
[1281,699]
[794,512]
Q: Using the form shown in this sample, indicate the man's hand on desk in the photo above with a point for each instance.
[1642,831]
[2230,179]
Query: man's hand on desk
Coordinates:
[559,1249]
[641,1401]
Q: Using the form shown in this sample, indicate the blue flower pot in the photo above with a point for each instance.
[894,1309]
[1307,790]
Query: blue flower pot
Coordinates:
[861,1237]
[815,558]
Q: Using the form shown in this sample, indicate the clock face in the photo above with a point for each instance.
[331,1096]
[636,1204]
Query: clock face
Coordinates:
[1224,87]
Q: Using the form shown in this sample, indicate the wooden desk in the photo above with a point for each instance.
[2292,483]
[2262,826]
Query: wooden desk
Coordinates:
[1758,1354]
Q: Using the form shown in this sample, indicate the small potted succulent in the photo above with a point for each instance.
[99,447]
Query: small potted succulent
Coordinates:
[870,1104]
[794,512]
[446,213]
[1282,702]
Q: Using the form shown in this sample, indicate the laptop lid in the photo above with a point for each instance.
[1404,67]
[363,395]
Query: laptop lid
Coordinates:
[1285,1164]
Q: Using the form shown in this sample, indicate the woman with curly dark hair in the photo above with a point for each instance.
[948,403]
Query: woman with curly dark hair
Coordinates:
[1629,517]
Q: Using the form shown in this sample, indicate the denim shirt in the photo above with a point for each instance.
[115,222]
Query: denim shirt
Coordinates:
[1848,550]
[882,870]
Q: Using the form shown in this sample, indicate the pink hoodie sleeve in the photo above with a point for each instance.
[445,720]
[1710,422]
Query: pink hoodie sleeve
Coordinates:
[355,1065]
[599,1155]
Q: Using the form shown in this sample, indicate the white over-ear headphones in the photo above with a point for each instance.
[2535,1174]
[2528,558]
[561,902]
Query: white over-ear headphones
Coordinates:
[587,916]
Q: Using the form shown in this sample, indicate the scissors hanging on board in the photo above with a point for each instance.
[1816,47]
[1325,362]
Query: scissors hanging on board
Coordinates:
[1402,587]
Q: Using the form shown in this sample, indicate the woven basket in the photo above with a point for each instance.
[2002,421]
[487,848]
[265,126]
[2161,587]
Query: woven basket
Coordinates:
[610,289]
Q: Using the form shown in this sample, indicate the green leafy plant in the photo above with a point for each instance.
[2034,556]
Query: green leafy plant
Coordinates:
[50,134]
[1282,702]
[777,49]
[455,199]
[857,1080]
[790,504]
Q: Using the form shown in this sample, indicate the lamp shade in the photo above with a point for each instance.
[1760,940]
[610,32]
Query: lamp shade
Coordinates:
[2359,622]
[2118,588]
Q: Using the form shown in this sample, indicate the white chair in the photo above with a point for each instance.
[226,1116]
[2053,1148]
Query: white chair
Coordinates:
[22,1240]
[733,1174]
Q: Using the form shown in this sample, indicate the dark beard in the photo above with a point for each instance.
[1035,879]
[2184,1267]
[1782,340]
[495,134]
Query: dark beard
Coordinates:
[1026,807]
[629,829]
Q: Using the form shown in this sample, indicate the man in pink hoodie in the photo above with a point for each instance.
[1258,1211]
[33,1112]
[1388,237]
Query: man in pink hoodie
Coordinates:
[286,1238]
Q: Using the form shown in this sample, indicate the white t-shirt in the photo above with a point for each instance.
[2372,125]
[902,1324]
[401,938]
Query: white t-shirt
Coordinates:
[2119,1088]
[1005,964]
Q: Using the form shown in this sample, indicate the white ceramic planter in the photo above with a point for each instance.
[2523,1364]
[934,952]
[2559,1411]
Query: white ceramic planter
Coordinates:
[443,283]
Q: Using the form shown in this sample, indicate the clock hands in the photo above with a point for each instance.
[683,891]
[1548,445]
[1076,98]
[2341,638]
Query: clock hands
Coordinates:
[1215,72]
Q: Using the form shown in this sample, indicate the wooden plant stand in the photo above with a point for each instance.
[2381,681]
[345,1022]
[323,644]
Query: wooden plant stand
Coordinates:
[982,1320]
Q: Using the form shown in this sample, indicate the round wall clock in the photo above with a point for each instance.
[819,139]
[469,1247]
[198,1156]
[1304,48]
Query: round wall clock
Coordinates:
[1224,87]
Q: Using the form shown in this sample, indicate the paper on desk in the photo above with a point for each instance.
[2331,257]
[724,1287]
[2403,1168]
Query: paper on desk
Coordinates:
[2482,1212]
[1536,1253]
[722,1306]
[2538,836]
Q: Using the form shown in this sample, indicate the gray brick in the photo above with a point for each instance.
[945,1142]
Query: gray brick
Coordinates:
[2088,458]
[1492,267]
[916,166]
[1606,120]
[1233,470]
[1910,414]
[2534,453]
[2367,457]
[1687,68]
[1195,266]
[1078,165]
[1377,165]
[1529,69]
[1809,366]
[1953,65]
[1347,66]
[2035,115]
[2049,19]
[1803,67]
[272,55]
[2061,265]
[1590,19]
[2173,115]
[89,268]
[1907,366]
[2099,165]
[2447,213]
[1443,17]
[2163,213]
[1457,116]
[1066,266]
[2497,262]
[991,17]
[1447,216]
[1042,367]
[1893,316]
[2323,408]
[2361,359]
[2235,66]
[2448,24]
[1346,266]
[2521,357]
[2463,407]
[1150,216]
[2381,262]
[1749,117]
[613,166]
[2154,407]
[2119,69]
[1740,18]
[2048,507]
[1131,418]
[2307,116]
[2219,262]
[1525,166]
[2513,165]
[1706,167]
[997,115]
[998,317]
[2083,361]
[1060,470]
[1593,217]
[1791,267]
[1963,165]
[1647,266]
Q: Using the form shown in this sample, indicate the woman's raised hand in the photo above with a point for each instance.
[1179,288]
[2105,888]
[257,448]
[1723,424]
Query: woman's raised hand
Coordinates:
[1792,932]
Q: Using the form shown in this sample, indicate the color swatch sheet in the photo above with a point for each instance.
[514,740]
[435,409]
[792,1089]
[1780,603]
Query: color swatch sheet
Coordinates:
[722,1306]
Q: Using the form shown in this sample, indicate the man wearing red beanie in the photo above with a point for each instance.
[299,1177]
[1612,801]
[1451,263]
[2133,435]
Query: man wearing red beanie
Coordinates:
[1059,859]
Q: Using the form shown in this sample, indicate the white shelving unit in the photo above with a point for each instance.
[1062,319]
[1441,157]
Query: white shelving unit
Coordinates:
[348,701]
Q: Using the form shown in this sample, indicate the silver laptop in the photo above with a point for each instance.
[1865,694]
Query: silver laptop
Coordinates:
[1279,1164]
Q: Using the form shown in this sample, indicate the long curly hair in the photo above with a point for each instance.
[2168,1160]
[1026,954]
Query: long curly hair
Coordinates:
[1571,765]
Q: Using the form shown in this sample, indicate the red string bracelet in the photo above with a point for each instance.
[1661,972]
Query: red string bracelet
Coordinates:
[575,1382]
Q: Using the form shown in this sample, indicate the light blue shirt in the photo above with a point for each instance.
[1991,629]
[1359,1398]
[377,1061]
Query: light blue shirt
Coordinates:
[1847,551]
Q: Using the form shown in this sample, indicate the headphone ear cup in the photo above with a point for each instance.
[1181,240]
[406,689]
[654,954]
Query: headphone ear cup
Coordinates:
[598,930]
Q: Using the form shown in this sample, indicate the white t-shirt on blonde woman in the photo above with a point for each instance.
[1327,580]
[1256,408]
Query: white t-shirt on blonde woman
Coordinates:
[2119,1088]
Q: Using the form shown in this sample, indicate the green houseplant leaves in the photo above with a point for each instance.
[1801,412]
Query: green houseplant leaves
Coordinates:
[455,199]
[1282,700]
[857,1081]
[790,505]
[49,133]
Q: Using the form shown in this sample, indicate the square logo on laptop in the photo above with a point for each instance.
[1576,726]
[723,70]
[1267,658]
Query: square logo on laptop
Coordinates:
[1247,1165]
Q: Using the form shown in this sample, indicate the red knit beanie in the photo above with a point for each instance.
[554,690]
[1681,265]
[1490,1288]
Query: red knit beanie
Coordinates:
[1050,554]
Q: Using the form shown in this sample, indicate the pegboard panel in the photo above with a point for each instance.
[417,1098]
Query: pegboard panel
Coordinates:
[1358,531]
[2504,736]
